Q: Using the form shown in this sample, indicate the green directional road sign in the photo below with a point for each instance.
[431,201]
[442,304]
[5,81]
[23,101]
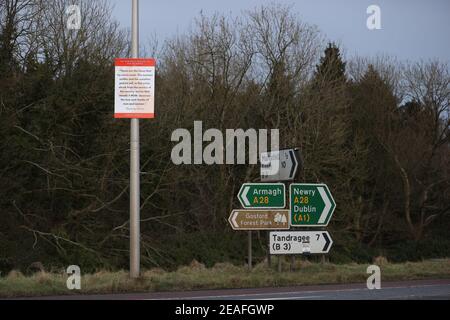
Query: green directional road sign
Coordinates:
[311,205]
[262,195]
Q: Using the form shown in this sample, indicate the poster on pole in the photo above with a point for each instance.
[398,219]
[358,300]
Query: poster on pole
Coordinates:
[134,93]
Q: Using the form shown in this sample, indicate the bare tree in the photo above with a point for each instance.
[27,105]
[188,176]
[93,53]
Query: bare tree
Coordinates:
[419,148]
[280,36]
[98,39]
[18,22]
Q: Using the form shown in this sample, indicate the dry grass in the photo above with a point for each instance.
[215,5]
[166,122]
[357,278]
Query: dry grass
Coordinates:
[222,275]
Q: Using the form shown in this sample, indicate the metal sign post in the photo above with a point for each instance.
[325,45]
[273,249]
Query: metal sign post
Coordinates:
[250,250]
[279,165]
[134,161]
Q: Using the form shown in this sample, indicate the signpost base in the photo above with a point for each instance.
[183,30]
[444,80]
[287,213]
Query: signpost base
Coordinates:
[269,256]
[292,263]
[250,250]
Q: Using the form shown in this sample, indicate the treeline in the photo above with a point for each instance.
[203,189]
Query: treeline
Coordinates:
[375,130]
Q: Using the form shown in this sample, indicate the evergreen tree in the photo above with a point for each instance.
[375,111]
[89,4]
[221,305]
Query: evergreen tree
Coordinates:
[372,114]
[331,67]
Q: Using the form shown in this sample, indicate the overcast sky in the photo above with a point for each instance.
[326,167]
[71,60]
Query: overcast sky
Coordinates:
[411,29]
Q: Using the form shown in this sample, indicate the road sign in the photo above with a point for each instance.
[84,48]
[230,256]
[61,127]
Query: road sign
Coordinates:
[262,195]
[134,88]
[259,219]
[311,205]
[300,242]
[281,165]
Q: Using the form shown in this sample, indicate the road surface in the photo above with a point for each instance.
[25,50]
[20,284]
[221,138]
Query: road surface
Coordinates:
[403,290]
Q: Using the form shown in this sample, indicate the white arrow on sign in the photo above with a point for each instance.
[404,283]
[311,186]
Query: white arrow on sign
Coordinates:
[244,196]
[327,202]
[281,165]
[233,219]
[300,242]
[253,219]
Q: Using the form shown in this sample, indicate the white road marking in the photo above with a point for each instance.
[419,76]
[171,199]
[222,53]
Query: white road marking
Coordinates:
[291,298]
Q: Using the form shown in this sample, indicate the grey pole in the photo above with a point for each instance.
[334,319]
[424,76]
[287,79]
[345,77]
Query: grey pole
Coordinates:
[134,161]
[250,250]
[269,256]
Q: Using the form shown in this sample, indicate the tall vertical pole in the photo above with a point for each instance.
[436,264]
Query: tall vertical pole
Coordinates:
[293,263]
[250,250]
[134,161]
[269,256]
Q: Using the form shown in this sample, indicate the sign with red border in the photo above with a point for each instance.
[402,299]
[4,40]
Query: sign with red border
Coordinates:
[134,88]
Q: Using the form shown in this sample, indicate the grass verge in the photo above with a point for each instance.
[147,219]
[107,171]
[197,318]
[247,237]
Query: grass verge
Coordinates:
[222,275]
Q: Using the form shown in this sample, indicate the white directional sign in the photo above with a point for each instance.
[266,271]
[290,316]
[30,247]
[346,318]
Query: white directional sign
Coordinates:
[281,165]
[300,242]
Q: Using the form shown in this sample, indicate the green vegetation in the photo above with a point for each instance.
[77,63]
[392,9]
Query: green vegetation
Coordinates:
[222,275]
[375,130]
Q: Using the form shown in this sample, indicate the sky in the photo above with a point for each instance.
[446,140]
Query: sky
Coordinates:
[410,29]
